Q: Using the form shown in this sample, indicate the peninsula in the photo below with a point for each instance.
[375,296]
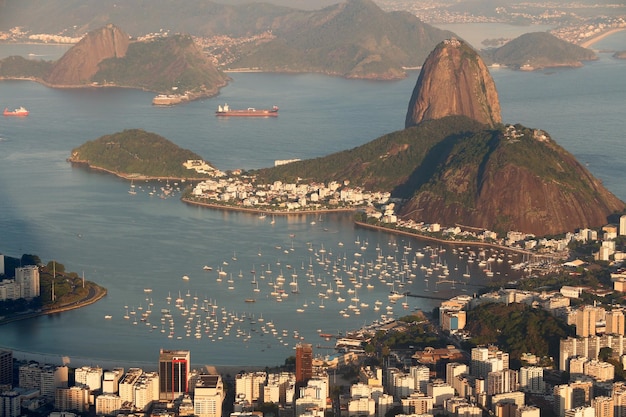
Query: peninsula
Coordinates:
[53,289]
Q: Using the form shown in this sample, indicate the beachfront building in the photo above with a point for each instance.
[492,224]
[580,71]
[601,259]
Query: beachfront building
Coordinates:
[89,376]
[208,396]
[249,386]
[27,277]
[280,388]
[25,285]
[174,366]
[45,378]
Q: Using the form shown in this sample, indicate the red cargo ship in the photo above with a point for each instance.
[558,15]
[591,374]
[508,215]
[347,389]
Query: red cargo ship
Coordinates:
[17,112]
[225,110]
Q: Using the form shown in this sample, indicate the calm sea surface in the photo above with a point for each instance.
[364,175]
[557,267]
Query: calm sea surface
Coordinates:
[141,247]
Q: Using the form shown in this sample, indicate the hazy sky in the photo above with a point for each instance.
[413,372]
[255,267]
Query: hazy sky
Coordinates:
[296,4]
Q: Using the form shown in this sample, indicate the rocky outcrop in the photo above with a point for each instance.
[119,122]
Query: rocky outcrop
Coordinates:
[80,63]
[454,80]
[512,178]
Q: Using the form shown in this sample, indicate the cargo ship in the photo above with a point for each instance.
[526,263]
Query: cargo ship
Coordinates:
[17,112]
[225,110]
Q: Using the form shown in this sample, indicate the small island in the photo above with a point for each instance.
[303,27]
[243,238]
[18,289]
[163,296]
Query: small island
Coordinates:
[137,154]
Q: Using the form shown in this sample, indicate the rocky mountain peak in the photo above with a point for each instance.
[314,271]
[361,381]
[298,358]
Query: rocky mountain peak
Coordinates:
[454,80]
[80,63]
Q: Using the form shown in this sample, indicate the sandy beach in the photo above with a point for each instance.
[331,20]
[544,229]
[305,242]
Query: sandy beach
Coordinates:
[587,43]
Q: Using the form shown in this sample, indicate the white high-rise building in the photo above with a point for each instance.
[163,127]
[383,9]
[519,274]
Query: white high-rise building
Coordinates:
[599,371]
[421,376]
[573,395]
[53,377]
[249,385]
[499,382]
[440,392]
[403,385]
[622,225]
[73,398]
[487,359]
[27,277]
[619,398]
[615,321]
[111,381]
[146,390]
[45,378]
[208,396]
[127,385]
[361,407]
[108,405]
[90,377]
[531,379]
[603,406]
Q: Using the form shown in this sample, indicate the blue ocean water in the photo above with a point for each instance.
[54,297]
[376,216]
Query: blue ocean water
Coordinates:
[130,243]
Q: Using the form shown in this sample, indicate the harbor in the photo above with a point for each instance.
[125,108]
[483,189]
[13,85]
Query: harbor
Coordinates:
[337,283]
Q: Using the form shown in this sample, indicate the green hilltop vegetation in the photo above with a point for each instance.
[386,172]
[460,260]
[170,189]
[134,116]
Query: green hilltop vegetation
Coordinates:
[159,64]
[407,160]
[456,170]
[538,50]
[136,153]
[400,161]
[517,328]
[20,67]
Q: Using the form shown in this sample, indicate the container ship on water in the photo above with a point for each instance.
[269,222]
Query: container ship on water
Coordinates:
[225,110]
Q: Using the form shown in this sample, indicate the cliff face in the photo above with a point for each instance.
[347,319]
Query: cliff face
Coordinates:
[80,63]
[454,80]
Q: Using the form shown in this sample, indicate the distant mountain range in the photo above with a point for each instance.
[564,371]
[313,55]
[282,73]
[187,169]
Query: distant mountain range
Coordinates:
[351,39]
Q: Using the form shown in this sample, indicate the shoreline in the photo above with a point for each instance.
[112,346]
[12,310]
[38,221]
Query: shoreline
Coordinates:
[129,177]
[189,97]
[419,236]
[589,42]
[99,293]
[258,210]
[264,211]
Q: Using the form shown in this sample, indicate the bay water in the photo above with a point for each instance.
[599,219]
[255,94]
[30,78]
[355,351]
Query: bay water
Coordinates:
[144,248]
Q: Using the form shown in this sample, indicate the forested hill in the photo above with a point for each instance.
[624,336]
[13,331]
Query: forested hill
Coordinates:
[539,50]
[517,328]
[456,170]
[384,164]
[136,153]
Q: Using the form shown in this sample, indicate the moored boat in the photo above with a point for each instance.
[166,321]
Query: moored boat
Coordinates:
[225,110]
[20,111]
